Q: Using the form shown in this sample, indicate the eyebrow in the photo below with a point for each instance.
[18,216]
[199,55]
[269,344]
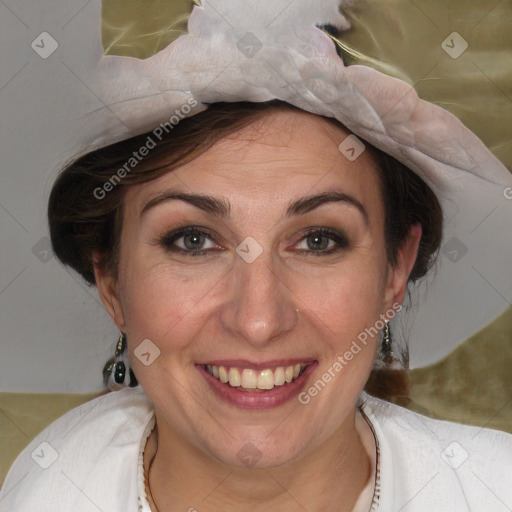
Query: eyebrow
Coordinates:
[222,209]
[218,207]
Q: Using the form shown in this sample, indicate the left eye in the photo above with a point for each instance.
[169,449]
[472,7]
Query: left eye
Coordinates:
[322,241]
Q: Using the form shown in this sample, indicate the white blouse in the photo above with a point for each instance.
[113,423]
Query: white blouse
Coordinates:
[91,459]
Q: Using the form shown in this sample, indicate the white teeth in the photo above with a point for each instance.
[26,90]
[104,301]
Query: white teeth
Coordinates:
[279,379]
[249,379]
[223,374]
[265,379]
[253,379]
[234,377]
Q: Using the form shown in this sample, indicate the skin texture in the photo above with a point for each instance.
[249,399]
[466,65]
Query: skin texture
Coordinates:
[217,306]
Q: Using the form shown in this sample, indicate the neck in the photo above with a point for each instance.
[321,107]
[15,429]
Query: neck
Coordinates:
[328,479]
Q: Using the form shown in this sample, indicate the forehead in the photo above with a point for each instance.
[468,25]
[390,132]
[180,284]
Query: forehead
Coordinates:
[283,155]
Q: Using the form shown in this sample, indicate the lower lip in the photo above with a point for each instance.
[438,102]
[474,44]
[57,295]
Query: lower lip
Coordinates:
[257,399]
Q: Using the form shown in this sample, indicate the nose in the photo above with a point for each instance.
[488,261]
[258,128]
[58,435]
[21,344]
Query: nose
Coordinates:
[261,307]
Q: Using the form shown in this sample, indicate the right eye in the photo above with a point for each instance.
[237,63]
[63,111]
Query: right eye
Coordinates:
[188,241]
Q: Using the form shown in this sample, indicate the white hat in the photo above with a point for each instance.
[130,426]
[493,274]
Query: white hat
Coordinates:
[261,50]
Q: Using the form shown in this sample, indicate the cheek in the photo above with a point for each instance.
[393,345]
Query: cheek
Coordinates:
[348,309]
[349,299]
[163,302]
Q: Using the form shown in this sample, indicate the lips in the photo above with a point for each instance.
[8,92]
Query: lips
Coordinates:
[257,386]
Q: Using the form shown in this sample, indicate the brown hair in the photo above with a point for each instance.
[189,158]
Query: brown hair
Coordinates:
[85,205]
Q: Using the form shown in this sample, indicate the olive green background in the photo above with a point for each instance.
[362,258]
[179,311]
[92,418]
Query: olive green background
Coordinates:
[473,385]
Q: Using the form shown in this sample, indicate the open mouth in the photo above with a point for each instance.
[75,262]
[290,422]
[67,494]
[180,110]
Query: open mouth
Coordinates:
[247,379]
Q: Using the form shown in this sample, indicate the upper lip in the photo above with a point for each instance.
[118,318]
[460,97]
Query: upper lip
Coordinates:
[244,363]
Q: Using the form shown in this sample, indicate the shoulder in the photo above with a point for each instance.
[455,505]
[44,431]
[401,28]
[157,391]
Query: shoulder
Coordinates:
[80,461]
[429,464]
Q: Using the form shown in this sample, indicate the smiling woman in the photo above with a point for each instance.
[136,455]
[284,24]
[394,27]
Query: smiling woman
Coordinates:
[81,225]
[253,256]
[331,245]
[250,268]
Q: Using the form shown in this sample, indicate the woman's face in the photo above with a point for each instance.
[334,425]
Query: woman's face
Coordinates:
[260,256]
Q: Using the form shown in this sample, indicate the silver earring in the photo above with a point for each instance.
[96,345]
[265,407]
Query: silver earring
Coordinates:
[117,373]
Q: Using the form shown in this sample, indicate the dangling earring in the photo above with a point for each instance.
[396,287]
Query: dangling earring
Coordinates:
[387,350]
[116,373]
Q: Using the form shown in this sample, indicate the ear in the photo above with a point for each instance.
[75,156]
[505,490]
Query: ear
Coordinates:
[398,275]
[107,290]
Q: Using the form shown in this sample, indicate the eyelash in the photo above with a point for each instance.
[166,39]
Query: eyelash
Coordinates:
[167,241]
